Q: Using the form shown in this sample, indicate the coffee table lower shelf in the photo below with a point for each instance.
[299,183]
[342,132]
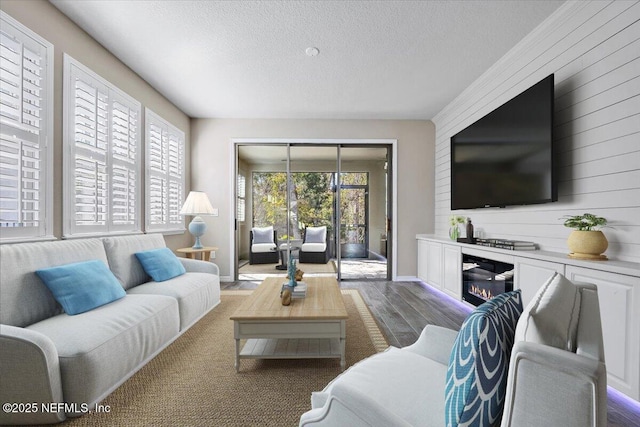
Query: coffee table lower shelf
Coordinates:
[294,348]
[313,327]
[277,340]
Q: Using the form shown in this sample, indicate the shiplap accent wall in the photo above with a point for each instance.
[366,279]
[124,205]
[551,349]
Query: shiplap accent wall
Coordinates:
[594,50]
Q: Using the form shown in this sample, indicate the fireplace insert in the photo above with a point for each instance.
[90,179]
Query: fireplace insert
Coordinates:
[483,279]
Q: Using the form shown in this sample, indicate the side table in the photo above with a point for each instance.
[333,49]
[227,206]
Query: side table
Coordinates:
[283,247]
[205,252]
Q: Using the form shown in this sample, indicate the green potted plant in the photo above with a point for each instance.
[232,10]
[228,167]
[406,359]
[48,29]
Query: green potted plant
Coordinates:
[586,241]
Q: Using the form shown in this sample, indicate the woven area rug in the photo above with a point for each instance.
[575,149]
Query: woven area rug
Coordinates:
[262,271]
[193,381]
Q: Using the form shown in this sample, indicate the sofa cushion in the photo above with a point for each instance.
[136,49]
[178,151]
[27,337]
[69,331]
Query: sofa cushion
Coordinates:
[122,260]
[101,348]
[262,235]
[479,363]
[417,383]
[81,286]
[259,248]
[315,234]
[161,264]
[313,247]
[24,299]
[551,318]
[196,294]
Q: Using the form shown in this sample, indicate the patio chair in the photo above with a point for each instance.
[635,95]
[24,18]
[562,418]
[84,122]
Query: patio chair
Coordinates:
[315,248]
[263,248]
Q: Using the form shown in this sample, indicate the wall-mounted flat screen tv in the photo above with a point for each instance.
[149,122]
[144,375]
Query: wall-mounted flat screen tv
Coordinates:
[507,157]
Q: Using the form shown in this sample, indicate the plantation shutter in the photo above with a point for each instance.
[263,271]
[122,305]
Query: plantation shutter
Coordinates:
[102,169]
[26,129]
[241,197]
[124,149]
[165,174]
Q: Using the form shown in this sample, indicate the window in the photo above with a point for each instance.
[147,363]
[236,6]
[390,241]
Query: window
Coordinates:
[241,197]
[26,133]
[102,168]
[165,174]
[311,201]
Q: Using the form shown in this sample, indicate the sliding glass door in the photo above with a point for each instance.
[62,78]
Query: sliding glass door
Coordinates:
[261,205]
[326,202]
[364,200]
[312,169]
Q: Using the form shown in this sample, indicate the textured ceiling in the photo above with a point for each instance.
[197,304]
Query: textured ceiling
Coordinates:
[246,59]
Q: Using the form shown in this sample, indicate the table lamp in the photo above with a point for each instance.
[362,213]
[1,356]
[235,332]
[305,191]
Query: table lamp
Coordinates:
[197,204]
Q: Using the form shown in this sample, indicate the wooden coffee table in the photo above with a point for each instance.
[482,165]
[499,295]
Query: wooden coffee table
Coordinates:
[311,327]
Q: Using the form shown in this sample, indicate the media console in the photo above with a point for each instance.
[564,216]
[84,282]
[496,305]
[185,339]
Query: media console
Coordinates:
[440,265]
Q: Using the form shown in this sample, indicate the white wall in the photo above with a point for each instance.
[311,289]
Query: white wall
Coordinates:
[43,18]
[211,145]
[593,48]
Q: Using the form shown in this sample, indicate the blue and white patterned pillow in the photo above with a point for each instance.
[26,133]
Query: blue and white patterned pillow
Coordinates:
[479,363]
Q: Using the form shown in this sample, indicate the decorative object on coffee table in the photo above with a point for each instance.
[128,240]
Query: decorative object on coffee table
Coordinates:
[454,231]
[299,274]
[286,297]
[292,272]
[586,241]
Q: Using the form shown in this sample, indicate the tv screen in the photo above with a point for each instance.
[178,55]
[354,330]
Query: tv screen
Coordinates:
[506,157]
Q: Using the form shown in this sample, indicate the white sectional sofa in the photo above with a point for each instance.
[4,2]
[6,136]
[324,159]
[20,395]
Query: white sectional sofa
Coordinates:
[48,356]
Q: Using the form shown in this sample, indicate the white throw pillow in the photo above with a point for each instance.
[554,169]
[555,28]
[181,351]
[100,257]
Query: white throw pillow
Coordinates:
[262,235]
[551,318]
[315,234]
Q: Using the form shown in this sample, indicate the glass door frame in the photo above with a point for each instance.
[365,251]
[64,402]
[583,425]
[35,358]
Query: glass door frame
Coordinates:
[367,225]
[392,208]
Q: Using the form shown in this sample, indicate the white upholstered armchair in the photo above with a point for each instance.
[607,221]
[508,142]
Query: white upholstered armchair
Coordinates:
[315,246]
[556,374]
[263,248]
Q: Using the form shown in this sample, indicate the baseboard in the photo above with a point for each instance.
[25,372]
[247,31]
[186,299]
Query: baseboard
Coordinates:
[407,279]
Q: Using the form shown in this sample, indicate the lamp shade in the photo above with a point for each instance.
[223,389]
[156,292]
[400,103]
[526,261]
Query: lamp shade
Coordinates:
[197,203]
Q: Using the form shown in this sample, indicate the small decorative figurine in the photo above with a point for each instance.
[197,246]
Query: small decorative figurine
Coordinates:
[286,297]
[292,272]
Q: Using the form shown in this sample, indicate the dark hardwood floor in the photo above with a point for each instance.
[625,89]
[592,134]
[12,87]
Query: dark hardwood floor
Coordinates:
[402,310]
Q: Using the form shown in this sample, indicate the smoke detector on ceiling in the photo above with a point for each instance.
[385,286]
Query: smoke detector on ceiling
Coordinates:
[312,51]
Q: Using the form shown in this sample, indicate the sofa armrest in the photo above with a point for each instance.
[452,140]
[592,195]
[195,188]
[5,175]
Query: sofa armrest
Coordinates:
[197,266]
[30,372]
[347,406]
[550,386]
[435,343]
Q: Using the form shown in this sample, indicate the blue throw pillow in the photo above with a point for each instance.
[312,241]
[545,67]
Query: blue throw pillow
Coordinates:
[161,264]
[479,363]
[82,286]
